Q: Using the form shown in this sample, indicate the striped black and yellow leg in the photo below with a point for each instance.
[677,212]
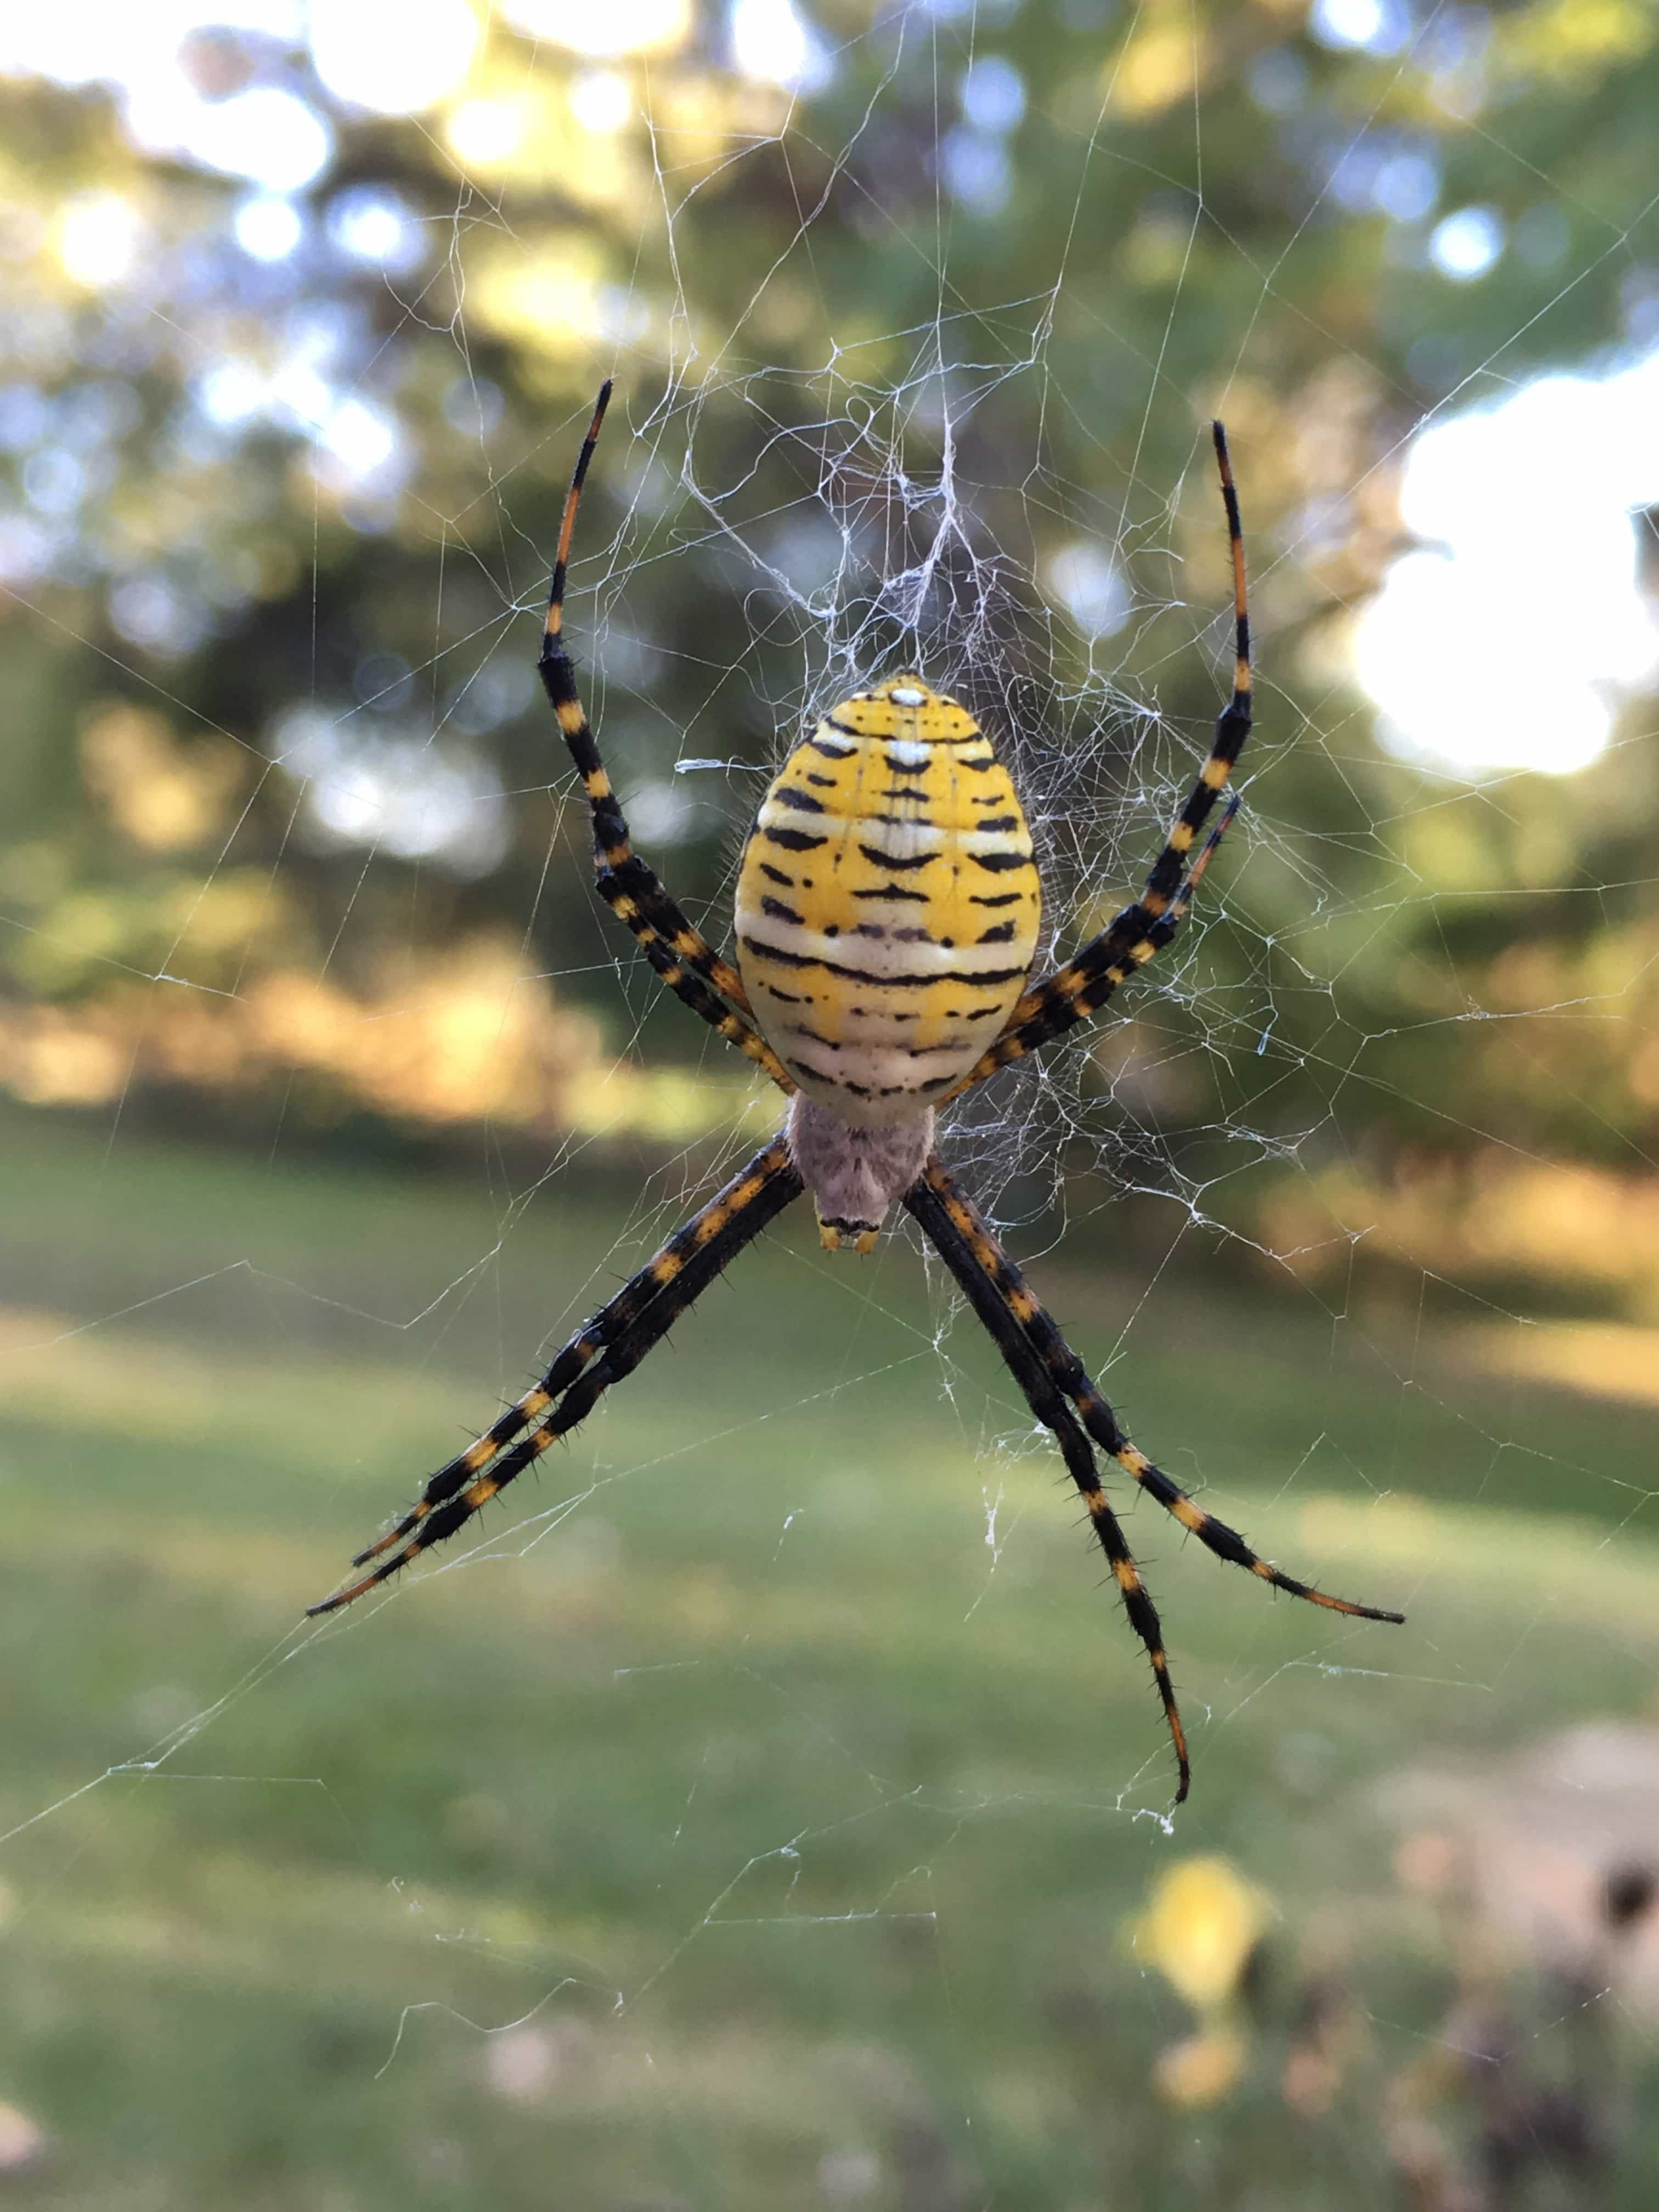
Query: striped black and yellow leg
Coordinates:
[1080,988]
[680,955]
[1069,1376]
[604,1350]
[971,1253]
[1076,993]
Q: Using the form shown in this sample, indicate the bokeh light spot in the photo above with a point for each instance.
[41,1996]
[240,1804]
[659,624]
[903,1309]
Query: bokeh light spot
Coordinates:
[772,43]
[625,27]
[993,94]
[394,59]
[98,239]
[1466,243]
[1377,26]
[976,170]
[373,225]
[485,132]
[601,100]
[268,227]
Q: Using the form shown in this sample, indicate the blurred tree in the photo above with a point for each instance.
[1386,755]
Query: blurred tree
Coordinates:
[916,317]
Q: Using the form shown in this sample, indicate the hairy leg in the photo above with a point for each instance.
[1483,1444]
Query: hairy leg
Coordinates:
[604,1350]
[680,954]
[1069,1375]
[961,1253]
[1071,994]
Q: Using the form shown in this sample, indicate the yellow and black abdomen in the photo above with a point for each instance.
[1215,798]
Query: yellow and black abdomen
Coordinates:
[888,904]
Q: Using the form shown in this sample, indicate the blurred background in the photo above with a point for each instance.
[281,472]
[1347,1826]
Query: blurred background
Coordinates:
[765,1806]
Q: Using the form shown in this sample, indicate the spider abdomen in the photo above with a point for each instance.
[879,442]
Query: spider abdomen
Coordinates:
[888,904]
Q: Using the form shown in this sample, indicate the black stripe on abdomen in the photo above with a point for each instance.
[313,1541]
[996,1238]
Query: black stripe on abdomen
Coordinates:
[990,979]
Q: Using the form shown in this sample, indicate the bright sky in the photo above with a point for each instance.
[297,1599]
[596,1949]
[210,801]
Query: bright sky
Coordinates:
[1507,640]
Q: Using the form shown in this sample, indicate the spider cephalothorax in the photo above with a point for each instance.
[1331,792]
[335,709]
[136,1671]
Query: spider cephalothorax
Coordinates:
[887,915]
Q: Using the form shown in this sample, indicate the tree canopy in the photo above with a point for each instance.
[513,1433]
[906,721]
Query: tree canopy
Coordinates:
[916,317]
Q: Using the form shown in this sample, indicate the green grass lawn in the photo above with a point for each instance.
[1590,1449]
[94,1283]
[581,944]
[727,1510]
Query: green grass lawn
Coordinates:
[752,1816]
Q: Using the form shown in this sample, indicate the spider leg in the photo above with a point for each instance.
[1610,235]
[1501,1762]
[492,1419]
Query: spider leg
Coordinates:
[1076,991]
[1069,1375]
[604,1350]
[971,1253]
[680,954]
[1071,994]
[699,1251]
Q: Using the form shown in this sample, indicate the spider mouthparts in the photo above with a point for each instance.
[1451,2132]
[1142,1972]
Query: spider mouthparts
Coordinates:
[864,1236]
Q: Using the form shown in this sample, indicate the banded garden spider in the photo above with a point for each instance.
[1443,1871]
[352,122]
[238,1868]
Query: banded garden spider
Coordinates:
[887,914]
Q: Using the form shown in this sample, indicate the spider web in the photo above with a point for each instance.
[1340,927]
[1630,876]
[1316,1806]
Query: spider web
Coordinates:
[765,533]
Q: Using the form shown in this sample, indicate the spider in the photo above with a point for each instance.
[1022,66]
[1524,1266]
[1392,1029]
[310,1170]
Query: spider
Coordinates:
[887,911]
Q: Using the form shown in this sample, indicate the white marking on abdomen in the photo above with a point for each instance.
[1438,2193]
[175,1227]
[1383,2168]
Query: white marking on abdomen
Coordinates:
[902,840]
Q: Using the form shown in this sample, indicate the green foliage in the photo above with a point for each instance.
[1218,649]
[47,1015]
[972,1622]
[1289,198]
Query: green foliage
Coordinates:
[824,359]
[750,1730]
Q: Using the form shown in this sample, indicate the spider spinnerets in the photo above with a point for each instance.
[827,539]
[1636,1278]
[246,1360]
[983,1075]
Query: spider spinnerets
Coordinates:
[887,913]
